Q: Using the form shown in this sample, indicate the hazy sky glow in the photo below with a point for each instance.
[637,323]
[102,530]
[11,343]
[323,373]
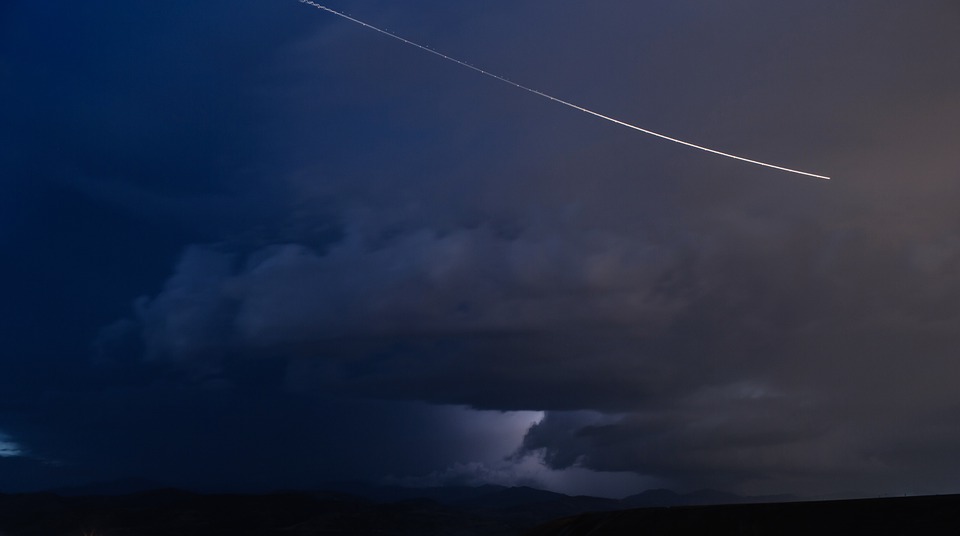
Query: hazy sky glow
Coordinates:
[551,97]
[252,244]
[8,448]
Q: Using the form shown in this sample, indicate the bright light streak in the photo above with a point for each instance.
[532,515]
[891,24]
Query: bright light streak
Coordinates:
[555,99]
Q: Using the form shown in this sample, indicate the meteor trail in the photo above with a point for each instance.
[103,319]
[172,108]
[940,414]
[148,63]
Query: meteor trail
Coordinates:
[555,99]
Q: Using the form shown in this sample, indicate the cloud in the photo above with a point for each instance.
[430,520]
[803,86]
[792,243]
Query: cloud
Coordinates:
[425,281]
[755,349]
[759,349]
[424,237]
[8,447]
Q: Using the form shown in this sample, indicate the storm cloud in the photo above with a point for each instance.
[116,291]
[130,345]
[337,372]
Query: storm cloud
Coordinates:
[340,229]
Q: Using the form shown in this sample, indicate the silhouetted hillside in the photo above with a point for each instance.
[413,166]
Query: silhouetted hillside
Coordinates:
[663,497]
[483,510]
[938,515]
[489,510]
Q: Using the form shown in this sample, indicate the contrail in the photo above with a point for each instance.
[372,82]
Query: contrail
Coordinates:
[555,99]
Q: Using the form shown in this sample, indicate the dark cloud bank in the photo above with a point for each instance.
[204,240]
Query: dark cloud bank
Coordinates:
[341,244]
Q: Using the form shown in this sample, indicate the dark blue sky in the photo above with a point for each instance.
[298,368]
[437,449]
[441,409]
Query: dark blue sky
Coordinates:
[249,242]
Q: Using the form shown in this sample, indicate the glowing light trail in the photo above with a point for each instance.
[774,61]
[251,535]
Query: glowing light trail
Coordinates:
[555,99]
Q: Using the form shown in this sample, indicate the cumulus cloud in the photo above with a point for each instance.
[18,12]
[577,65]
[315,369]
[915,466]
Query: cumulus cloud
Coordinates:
[755,350]
[676,318]
[427,302]
[465,280]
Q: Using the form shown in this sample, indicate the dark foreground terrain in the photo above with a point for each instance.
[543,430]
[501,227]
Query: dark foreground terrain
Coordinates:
[179,513]
[920,516]
[487,510]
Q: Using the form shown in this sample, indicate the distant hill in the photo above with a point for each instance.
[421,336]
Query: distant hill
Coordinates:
[663,497]
[927,516]
[137,507]
[183,513]
[126,508]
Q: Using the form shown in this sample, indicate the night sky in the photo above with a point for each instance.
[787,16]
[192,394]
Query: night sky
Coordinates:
[251,245]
